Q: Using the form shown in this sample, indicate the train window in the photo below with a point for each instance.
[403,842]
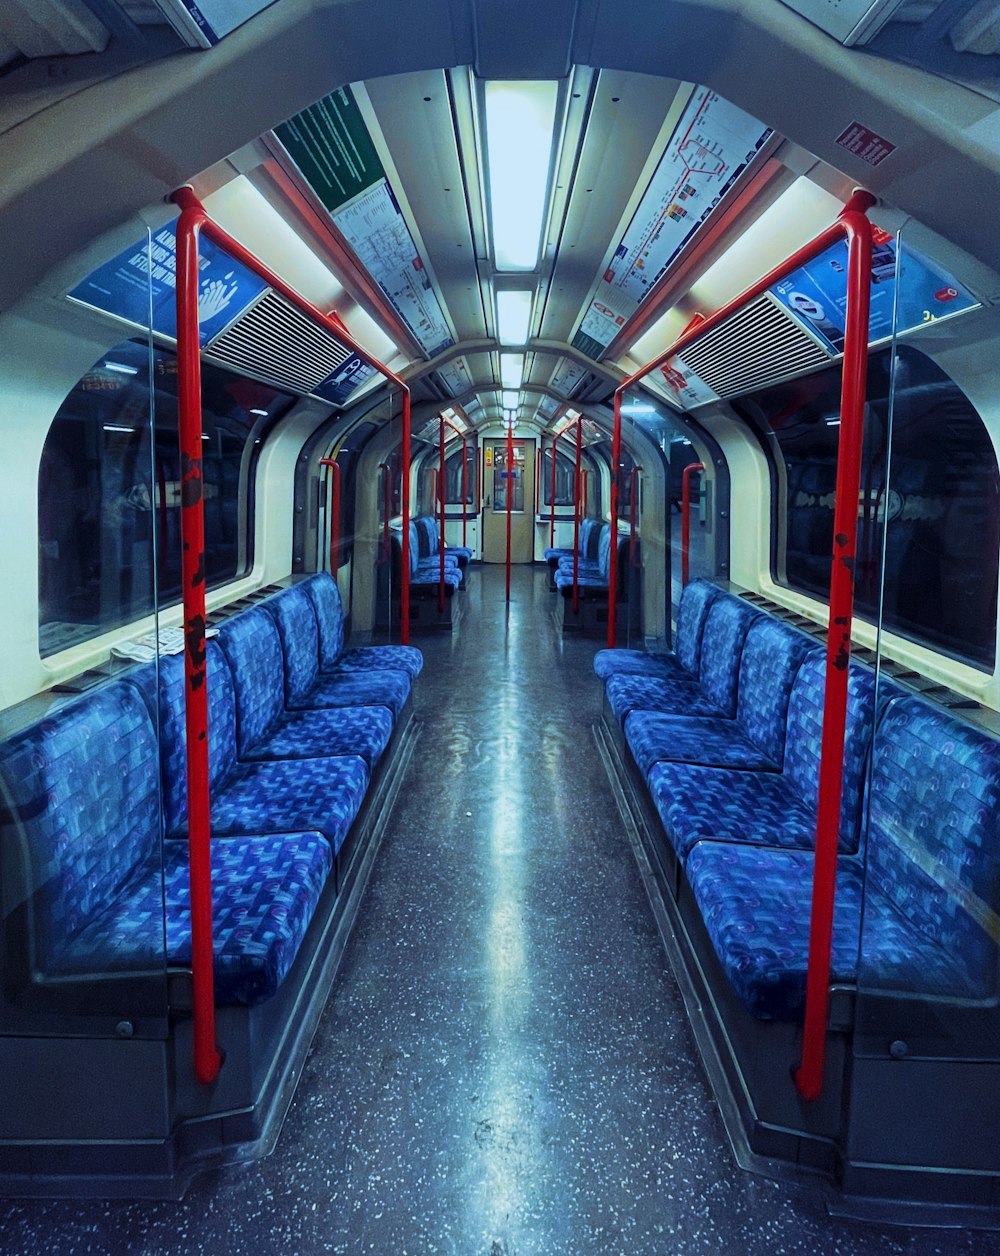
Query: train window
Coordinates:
[109,503]
[453,478]
[565,469]
[347,459]
[938,513]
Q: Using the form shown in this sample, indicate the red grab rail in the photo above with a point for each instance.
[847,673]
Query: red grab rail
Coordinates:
[440,504]
[334,466]
[577,499]
[552,497]
[193,222]
[686,474]
[853,225]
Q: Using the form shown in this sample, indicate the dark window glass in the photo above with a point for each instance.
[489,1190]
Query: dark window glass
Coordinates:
[565,471]
[453,478]
[104,494]
[940,514]
[347,460]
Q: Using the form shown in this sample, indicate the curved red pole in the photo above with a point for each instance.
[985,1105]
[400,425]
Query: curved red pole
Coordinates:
[552,497]
[686,474]
[440,502]
[576,516]
[334,513]
[186,199]
[465,488]
[510,497]
[207,1059]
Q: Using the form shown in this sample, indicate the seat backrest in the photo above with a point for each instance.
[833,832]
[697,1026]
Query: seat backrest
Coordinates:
[696,600]
[933,846]
[252,648]
[295,618]
[427,537]
[604,550]
[590,538]
[804,735]
[726,626]
[221,730]
[772,655]
[325,595]
[79,799]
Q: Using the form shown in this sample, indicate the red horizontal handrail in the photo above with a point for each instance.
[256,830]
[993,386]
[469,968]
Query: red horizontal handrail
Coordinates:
[686,474]
[853,225]
[334,466]
[193,222]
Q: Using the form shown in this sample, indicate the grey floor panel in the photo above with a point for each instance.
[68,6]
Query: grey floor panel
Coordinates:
[504,1068]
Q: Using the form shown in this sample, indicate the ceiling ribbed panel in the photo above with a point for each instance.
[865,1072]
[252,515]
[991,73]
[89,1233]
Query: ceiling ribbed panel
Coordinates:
[758,346]
[275,342]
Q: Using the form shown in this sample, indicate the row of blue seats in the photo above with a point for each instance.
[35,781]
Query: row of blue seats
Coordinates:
[593,565]
[297,727]
[425,563]
[429,543]
[726,732]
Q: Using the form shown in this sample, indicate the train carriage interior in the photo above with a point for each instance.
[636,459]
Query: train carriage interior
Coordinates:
[500,690]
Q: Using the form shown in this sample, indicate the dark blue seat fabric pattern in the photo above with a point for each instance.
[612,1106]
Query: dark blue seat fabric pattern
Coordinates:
[695,602]
[325,597]
[105,895]
[428,541]
[590,531]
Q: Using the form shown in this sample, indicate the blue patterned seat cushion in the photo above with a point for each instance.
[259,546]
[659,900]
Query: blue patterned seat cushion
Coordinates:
[290,795]
[325,595]
[712,742]
[264,894]
[729,805]
[585,580]
[366,688]
[756,906]
[696,601]
[428,573]
[621,662]
[396,658]
[771,658]
[360,730]
[298,630]
[679,694]
[80,806]
[726,627]
[933,846]
[252,648]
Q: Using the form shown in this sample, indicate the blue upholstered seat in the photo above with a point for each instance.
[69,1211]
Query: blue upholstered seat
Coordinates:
[714,691]
[325,596]
[429,542]
[589,535]
[771,808]
[755,739]
[695,603]
[250,796]
[102,890]
[283,640]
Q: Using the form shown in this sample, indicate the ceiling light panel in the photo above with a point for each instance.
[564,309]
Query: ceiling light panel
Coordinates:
[511,369]
[514,316]
[520,118]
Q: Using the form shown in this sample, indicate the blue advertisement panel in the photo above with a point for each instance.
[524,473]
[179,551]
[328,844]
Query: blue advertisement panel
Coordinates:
[345,380]
[123,286]
[817,293]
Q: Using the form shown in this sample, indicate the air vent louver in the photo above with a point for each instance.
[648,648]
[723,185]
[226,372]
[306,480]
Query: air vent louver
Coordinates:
[760,345]
[275,342]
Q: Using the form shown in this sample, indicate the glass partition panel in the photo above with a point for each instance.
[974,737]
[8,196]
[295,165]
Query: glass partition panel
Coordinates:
[927,972]
[90,848]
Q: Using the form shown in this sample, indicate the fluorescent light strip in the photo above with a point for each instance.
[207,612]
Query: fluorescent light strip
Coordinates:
[511,369]
[514,317]
[510,399]
[520,118]
[121,368]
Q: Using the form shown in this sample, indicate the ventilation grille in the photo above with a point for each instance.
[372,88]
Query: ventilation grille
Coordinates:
[273,341]
[760,345]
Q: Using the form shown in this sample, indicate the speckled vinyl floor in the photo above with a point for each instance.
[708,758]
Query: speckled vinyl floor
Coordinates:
[504,1067]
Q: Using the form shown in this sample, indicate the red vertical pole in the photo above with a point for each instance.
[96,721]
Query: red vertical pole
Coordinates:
[510,496]
[441,494]
[577,492]
[809,1074]
[334,513]
[552,497]
[207,1060]
[686,474]
[404,591]
[616,453]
